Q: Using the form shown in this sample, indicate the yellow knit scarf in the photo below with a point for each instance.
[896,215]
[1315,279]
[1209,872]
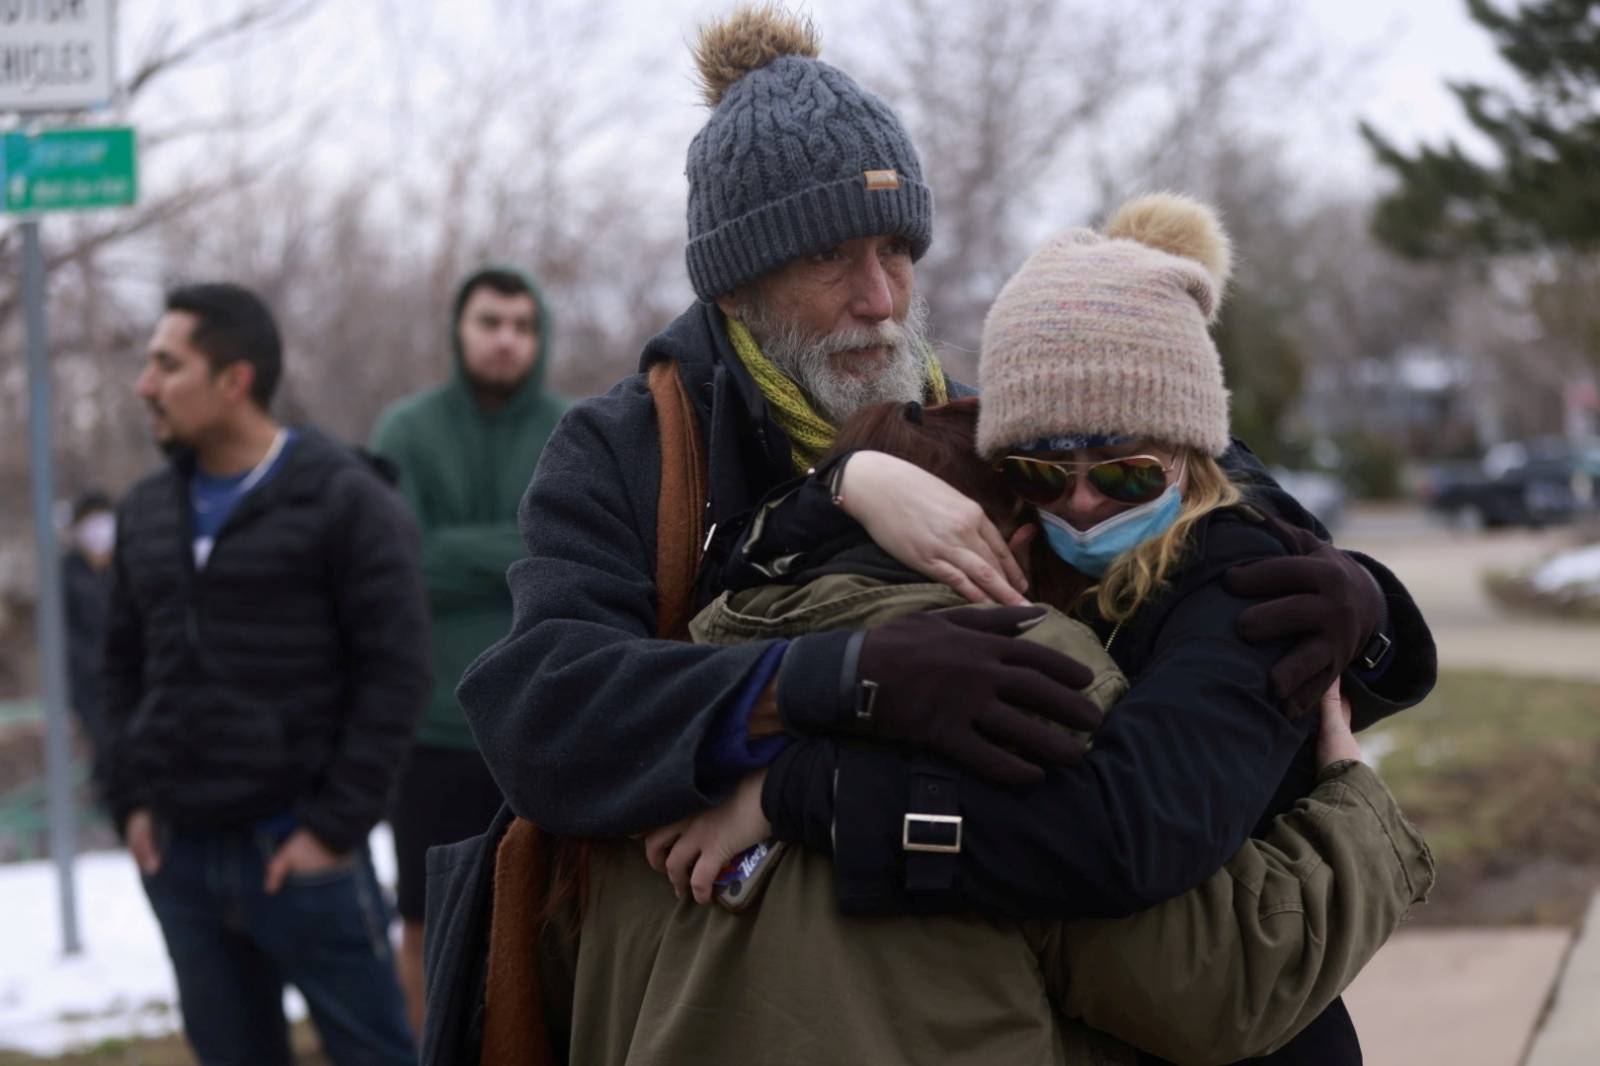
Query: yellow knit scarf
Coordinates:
[810,435]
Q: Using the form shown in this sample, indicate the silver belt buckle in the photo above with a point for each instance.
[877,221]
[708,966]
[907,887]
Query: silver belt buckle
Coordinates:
[906,843]
[1375,650]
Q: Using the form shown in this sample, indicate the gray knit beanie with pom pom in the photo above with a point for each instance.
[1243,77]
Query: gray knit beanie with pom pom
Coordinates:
[795,158]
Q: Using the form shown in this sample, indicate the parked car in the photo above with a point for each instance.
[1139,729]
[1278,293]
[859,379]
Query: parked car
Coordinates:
[1524,485]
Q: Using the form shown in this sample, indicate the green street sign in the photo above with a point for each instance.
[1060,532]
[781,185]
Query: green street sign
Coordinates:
[69,169]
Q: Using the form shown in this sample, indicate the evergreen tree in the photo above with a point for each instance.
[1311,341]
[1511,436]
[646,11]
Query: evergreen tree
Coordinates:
[1265,370]
[1543,190]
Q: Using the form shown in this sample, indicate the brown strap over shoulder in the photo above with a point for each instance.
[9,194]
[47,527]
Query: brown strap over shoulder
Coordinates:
[515,1032]
[681,504]
[514,1029]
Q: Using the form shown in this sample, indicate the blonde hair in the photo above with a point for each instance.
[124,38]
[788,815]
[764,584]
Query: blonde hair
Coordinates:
[1139,574]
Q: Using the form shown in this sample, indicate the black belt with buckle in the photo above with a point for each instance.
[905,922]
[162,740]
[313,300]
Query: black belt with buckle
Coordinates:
[931,833]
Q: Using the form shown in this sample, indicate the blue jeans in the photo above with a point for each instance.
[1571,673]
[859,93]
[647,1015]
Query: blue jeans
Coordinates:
[233,948]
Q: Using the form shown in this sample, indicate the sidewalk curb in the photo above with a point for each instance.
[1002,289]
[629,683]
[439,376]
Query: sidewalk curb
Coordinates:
[1570,1035]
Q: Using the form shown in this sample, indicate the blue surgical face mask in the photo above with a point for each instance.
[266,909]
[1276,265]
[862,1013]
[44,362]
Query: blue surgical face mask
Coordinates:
[1091,551]
[96,534]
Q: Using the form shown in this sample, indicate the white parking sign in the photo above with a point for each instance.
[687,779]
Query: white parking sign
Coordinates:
[55,55]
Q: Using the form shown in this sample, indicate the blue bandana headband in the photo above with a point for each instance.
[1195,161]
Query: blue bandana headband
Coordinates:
[1071,442]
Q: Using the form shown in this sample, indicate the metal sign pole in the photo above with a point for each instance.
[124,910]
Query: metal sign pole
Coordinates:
[48,619]
[85,29]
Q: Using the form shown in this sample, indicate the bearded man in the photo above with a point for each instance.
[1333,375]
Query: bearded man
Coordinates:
[807,214]
[802,260]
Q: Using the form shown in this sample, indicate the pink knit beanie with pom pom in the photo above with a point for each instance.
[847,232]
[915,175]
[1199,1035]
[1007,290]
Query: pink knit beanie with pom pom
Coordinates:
[1107,335]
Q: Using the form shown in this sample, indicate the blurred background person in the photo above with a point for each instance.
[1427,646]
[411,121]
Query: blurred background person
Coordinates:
[465,451]
[85,589]
[266,661]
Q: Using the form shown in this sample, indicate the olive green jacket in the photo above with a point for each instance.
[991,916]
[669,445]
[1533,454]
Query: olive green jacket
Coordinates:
[1231,969]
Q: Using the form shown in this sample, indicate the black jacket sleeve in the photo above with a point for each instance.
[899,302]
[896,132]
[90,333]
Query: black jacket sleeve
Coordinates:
[122,677]
[382,619]
[590,725]
[85,638]
[1180,773]
[84,598]
[794,525]
[799,523]
[1413,668]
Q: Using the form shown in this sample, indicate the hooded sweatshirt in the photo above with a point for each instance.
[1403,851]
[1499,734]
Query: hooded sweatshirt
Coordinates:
[463,471]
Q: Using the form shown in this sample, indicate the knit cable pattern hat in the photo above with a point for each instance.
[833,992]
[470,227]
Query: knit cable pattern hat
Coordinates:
[1106,335]
[795,158]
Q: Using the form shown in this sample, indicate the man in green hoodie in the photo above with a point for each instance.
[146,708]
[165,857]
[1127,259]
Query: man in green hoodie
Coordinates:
[466,450]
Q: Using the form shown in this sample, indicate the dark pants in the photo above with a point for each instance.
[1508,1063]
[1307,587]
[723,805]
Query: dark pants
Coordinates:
[445,796]
[234,947]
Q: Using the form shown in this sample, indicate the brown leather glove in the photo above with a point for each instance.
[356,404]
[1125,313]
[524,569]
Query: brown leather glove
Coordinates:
[959,683]
[1321,596]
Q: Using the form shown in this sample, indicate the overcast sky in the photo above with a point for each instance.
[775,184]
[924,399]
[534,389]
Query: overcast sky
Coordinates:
[1398,54]
[1413,47]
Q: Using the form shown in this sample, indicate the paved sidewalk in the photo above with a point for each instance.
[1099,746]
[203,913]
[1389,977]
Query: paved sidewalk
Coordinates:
[1462,997]
[1444,572]
[1571,1034]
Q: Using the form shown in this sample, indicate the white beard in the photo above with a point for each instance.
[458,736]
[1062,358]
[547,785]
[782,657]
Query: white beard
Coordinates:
[808,361]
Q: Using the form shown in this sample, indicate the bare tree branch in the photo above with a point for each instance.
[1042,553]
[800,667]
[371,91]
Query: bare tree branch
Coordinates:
[263,16]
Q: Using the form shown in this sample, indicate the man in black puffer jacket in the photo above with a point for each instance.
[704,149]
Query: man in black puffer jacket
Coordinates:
[266,663]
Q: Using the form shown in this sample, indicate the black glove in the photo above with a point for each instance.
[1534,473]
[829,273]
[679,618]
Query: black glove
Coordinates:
[959,683]
[1321,595]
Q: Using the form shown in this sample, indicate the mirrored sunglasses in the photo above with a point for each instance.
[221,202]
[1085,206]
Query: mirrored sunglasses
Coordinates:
[1131,479]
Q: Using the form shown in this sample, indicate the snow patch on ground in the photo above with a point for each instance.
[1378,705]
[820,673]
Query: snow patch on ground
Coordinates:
[1374,746]
[1572,573]
[121,985]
